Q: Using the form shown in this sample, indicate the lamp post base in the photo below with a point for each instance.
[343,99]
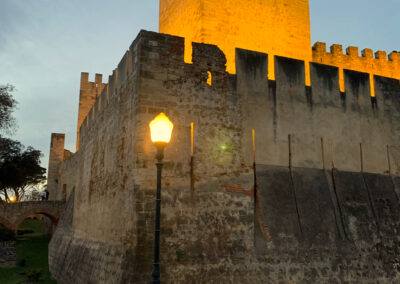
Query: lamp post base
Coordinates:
[156,273]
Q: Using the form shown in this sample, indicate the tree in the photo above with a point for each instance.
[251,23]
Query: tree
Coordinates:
[19,169]
[7,106]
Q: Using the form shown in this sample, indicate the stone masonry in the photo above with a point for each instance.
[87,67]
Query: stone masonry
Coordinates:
[315,200]
[8,254]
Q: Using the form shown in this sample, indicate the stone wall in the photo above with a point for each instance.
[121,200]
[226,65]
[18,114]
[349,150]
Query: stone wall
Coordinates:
[88,94]
[56,157]
[73,259]
[8,254]
[326,172]
[327,226]
[67,177]
[320,126]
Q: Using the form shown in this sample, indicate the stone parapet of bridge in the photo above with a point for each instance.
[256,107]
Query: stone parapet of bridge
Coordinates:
[12,214]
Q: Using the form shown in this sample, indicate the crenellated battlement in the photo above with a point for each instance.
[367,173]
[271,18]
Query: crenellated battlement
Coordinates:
[206,58]
[352,53]
[105,92]
[89,91]
[145,63]
[374,64]
[150,47]
[378,63]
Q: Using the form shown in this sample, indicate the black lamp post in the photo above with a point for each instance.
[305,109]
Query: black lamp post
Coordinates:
[160,130]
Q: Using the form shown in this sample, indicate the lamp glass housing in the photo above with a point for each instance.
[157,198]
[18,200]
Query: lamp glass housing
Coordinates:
[161,129]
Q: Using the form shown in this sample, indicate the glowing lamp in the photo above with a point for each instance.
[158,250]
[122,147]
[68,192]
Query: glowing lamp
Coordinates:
[12,198]
[161,129]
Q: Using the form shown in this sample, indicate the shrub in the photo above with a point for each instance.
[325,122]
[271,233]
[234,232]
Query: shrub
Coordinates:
[34,275]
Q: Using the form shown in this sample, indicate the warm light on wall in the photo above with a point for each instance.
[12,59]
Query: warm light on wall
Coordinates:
[275,27]
[209,79]
[161,129]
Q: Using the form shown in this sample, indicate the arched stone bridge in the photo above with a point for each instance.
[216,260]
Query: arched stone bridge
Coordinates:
[12,214]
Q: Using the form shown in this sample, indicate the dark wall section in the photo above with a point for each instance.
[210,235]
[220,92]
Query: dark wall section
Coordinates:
[315,206]
[290,78]
[325,85]
[396,181]
[357,90]
[278,205]
[307,243]
[252,70]
[384,202]
[388,96]
[356,213]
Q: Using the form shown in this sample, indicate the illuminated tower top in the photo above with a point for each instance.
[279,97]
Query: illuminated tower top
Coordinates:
[276,27]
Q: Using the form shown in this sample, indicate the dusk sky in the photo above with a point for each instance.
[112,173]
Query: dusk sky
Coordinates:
[46,44]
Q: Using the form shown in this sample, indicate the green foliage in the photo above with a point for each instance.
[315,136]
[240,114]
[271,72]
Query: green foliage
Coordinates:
[19,168]
[7,106]
[33,275]
[31,227]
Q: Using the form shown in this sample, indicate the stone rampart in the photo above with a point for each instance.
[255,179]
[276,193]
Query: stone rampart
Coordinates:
[379,64]
[326,173]
[309,105]
[351,130]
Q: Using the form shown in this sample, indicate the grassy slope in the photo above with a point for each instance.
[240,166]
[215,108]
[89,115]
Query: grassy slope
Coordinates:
[34,249]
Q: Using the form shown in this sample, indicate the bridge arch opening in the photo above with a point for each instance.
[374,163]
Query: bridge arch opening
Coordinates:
[49,219]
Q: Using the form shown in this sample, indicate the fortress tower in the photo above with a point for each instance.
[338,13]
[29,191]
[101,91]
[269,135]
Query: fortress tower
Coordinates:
[275,27]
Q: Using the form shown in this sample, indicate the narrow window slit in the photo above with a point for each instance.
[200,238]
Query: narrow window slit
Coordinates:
[209,78]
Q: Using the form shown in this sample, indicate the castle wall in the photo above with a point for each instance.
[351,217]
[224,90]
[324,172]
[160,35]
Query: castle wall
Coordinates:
[318,125]
[104,182]
[313,204]
[67,176]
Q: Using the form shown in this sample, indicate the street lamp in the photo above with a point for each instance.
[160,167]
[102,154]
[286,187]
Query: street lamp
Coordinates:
[160,130]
